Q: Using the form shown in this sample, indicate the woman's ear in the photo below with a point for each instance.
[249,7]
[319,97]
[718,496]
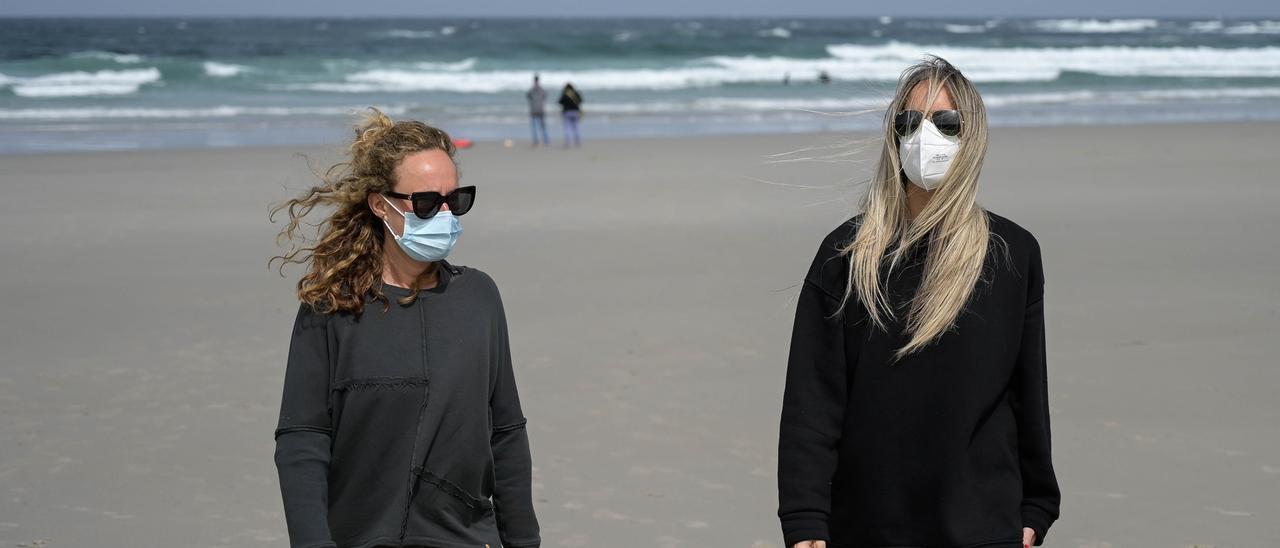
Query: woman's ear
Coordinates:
[377,205]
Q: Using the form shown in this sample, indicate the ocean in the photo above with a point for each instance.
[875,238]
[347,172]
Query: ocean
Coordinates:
[125,83]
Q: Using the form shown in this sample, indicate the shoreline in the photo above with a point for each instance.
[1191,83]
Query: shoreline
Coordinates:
[590,140]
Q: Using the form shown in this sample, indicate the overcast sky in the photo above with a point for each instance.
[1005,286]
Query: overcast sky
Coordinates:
[647,8]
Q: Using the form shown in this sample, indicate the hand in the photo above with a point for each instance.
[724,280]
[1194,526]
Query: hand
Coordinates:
[811,544]
[1028,537]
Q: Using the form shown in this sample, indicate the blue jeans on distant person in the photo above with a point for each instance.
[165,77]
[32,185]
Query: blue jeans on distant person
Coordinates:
[539,124]
[571,127]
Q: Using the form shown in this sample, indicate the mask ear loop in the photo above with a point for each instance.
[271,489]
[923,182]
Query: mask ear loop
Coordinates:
[384,219]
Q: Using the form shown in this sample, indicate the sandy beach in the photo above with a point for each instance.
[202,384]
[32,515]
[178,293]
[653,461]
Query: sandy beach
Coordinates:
[649,285]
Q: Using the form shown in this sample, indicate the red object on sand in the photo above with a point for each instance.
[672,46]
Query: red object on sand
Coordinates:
[462,143]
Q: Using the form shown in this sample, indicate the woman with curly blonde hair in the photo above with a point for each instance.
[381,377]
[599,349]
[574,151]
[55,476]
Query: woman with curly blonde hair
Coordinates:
[916,408]
[400,424]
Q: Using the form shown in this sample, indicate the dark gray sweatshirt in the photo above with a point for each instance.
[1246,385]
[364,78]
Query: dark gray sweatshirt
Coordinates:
[404,427]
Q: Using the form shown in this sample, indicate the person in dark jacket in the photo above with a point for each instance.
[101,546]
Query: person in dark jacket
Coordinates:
[400,423]
[570,114]
[916,407]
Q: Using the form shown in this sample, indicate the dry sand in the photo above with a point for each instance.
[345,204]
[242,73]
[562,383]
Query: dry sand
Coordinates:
[650,287]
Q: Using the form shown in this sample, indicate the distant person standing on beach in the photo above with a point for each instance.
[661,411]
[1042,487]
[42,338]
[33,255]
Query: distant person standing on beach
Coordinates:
[916,408]
[537,98]
[570,113]
[400,423]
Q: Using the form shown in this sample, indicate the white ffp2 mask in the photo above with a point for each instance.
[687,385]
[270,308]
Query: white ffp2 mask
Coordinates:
[926,154]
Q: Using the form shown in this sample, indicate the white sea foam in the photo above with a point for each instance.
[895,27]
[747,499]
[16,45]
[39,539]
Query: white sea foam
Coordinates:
[122,58]
[741,104]
[1213,25]
[1156,95]
[1095,25]
[82,83]
[419,34]
[775,32]
[223,70]
[1031,64]
[705,105]
[458,66]
[1252,27]
[412,34]
[223,111]
[1262,27]
[964,29]
[398,80]
[995,100]
[846,62]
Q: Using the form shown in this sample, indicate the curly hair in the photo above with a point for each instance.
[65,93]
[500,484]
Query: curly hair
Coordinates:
[345,263]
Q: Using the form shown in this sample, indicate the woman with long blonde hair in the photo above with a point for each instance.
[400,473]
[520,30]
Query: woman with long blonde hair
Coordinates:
[916,404]
[400,423]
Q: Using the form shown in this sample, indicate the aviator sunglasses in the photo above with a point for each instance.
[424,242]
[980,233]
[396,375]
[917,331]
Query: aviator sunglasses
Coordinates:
[427,204]
[947,121]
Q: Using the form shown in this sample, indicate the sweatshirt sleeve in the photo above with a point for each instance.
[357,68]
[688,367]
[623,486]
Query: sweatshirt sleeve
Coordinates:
[1040,494]
[303,433]
[513,466]
[813,409]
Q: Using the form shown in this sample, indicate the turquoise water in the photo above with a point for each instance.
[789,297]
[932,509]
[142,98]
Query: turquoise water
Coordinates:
[85,84]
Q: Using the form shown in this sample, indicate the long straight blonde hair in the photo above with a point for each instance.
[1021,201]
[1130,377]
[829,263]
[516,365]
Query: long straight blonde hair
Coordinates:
[955,225]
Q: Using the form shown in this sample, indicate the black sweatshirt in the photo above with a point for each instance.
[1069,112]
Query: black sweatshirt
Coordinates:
[947,448]
[404,427]
[570,100]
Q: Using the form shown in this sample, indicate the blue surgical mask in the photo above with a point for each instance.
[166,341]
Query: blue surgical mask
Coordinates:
[426,240]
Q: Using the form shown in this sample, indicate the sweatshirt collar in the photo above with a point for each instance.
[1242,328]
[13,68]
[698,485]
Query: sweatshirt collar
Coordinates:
[446,273]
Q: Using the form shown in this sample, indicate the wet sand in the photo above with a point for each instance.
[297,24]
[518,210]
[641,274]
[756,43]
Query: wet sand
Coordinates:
[649,285]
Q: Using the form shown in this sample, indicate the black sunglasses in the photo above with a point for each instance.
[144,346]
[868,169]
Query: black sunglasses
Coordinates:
[427,204]
[947,121]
